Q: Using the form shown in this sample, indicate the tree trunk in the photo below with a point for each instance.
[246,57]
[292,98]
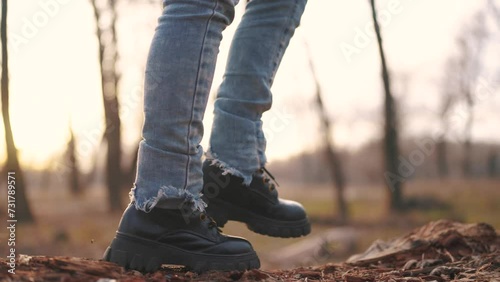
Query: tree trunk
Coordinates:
[108,56]
[467,145]
[391,128]
[74,172]
[442,159]
[332,156]
[22,208]
[467,142]
[449,94]
[492,164]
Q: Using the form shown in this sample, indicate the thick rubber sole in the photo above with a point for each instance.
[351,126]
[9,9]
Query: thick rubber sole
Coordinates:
[147,256]
[222,212]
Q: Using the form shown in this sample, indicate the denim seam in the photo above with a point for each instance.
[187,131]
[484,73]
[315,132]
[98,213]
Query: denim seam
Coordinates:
[216,2]
[281,45]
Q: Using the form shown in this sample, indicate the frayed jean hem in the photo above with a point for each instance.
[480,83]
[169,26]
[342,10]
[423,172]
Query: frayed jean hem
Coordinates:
[168,197]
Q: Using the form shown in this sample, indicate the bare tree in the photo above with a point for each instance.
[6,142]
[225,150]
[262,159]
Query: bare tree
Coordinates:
[391,150]
[106,16]
[74,172]
[449,95]
[22,207]
[492,163]
[332,156]
[494,159]
[470,45]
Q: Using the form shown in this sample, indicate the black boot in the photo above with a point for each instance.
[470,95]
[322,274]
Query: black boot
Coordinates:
[145,241]
[257,205]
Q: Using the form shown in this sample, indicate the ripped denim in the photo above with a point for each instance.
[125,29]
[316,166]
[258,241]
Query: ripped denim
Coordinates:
[178,79]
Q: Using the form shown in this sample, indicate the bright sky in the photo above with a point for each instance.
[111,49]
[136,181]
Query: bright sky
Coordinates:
[55,76]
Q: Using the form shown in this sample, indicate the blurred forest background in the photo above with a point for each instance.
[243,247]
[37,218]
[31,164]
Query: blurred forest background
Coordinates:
[385,116]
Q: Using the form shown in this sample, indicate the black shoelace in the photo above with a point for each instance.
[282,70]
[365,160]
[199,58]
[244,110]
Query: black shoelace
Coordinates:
[212,224]
[269,177]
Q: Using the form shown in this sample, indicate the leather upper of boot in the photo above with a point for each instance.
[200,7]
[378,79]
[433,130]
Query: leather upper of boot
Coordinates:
[193,231]
[261,196]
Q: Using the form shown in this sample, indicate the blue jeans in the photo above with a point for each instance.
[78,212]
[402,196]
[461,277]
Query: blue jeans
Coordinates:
[179,75]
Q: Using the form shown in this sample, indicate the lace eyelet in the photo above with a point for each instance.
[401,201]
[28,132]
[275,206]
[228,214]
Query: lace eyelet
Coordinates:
[202,216]
[272,187]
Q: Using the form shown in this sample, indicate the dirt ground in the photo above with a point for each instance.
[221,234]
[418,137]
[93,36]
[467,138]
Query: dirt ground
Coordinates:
[438,251]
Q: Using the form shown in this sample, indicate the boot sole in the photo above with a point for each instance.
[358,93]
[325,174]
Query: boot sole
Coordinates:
[222,212]
[148,256]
